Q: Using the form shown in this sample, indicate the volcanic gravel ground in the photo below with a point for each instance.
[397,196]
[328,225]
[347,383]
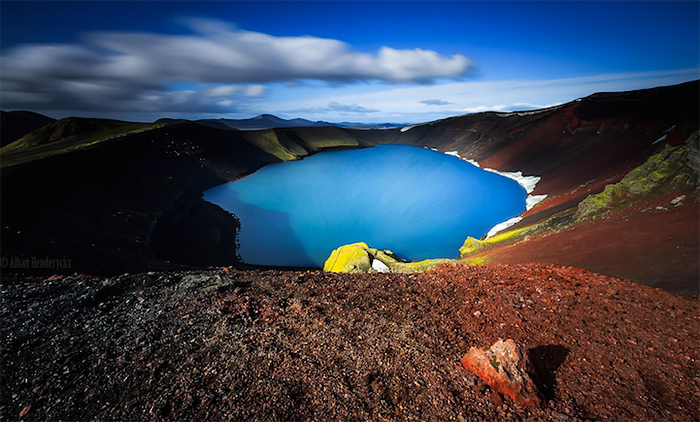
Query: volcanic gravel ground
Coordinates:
[280,345]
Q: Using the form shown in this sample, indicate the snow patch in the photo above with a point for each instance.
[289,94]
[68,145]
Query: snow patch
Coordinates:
[665,134]
[502,226]
[472,162]
[533,200]
[659,140]
[542,109]
[527,182]
[407,128]
[456,154]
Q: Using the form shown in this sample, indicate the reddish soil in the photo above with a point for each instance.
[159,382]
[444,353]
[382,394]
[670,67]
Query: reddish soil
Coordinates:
[623,243]
[281,345]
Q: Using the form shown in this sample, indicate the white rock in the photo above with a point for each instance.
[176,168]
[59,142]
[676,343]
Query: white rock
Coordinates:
[380,266]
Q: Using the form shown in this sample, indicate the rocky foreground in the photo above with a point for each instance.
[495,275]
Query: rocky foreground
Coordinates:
[279,345]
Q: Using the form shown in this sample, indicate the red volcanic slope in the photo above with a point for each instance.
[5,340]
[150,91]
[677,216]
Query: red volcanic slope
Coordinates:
[578,148]
[656,247]
[592,139]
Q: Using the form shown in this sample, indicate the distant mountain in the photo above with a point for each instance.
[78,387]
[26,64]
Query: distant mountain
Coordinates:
[356,125]
[15,124]
[269,121]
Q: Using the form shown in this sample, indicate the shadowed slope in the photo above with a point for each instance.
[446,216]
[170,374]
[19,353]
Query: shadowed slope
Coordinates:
[112,195]
[15,124]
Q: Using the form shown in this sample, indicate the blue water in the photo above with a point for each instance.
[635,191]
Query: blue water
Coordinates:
[417,202]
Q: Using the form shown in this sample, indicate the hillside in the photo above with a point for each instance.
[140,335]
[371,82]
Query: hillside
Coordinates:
[15,124]
[66,135]
[578,149]
[118,196]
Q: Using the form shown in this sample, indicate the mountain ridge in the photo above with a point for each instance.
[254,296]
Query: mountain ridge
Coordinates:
[15,124]
[270,121]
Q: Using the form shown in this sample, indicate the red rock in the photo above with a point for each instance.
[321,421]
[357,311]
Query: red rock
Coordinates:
[24,411]
[506,368]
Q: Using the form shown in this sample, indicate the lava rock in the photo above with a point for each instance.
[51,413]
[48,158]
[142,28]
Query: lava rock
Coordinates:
[507,369]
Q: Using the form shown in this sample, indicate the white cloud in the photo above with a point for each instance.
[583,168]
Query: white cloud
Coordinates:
[401,103]
[229,55]
[435,102]
[335,108]
[121,67]
[222,91]
[255,91]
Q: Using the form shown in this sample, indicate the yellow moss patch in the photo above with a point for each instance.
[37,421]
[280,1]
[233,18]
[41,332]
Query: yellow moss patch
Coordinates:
[500,237]
[472,245]
[482,260]
[420,266]
[352,258]
[358,258]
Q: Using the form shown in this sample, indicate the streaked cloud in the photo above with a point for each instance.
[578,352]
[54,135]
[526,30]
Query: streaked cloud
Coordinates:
[336,108]
[219,70]
[255,91]
[221,54]
[222,91]
[124,68]
[401,104]
[435,102]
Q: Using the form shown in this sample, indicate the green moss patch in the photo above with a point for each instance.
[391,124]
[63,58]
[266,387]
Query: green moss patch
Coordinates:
[663,173]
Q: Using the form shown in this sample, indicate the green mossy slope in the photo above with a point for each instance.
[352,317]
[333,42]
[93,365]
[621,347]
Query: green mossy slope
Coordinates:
[293,144]
[668,171]
[68,135]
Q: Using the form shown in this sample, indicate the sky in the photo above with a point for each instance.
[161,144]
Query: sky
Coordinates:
[356,61]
